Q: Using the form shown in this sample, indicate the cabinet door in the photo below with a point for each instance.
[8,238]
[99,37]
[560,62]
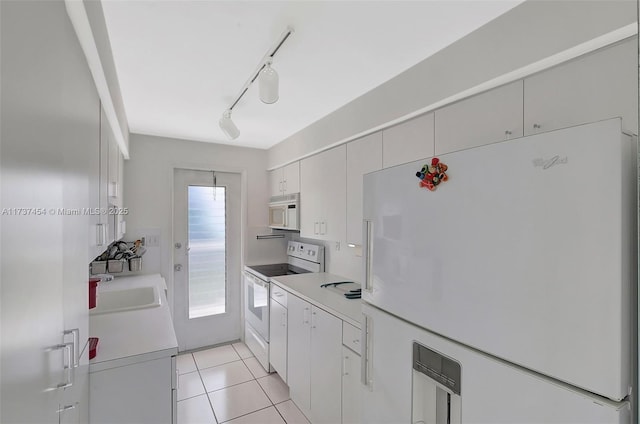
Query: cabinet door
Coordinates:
[311,186]
[278,338]
[275,182]
[326,360]
[106,227]
[351,398]
[408,141]
[323,195]
[113,169]
[115,183]
[139,393]
[363,156]
[495,115]
[601,85]
[333,222]
[74,408]
[298,352]
[291,178]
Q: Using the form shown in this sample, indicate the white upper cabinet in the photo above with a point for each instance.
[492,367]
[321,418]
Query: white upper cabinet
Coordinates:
[363,156]
[115,182]
[275,182]
[323,195]
[495,115]
[285,180]
[598,86]
[291,178]
[408,141]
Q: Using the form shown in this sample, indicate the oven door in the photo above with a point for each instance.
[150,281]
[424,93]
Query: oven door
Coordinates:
[256,304]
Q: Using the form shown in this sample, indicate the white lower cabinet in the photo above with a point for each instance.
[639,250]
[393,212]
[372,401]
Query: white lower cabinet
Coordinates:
[314,361]
[142,392]
[351,398]
[278,338]
[298,351]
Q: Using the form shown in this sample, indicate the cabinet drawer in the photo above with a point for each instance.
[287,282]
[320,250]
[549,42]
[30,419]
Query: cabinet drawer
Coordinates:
[351,337]
[279,295]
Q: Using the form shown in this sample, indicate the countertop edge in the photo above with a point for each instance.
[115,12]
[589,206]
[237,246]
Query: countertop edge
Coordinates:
[317,303]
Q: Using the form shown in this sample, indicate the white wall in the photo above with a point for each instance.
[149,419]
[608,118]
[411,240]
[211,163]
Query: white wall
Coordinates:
[148,182]
[526,34]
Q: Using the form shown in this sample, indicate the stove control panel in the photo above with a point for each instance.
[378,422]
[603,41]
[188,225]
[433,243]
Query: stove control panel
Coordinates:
[309,252]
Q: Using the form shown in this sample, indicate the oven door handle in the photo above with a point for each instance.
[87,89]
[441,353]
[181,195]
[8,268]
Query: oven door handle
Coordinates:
[259,282]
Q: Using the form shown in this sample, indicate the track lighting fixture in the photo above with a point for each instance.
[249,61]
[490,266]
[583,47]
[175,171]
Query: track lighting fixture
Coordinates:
[268,84]
[268,90]
[227,125]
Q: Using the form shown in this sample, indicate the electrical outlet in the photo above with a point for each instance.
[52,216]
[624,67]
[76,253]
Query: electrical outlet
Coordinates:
[337,246]
[152,240]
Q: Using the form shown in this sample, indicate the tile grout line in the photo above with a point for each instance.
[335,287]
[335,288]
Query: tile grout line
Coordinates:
[254,378]
[249,413]
[213,411]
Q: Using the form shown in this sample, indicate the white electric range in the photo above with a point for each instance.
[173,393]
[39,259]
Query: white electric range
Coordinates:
[301,258]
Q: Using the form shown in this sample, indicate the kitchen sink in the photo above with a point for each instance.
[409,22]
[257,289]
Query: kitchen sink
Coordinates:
[126,300]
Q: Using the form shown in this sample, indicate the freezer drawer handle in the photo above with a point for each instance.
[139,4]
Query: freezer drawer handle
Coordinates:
[365,365]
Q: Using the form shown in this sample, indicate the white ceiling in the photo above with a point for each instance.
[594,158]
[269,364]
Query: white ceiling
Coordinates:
[181,63]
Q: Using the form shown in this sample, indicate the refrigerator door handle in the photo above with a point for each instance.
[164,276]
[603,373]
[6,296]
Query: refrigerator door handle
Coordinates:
[365,365]
[368,253]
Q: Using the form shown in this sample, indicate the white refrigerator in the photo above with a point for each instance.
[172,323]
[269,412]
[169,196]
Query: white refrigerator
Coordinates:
[507,293]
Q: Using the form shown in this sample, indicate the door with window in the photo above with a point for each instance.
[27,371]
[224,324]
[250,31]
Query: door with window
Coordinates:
[206,257]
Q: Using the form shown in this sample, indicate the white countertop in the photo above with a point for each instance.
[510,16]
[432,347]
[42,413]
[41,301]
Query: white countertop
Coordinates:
[307,287]
[133,336]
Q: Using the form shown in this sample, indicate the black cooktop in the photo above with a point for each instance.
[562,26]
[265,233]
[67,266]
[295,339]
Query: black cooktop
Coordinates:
[275,270]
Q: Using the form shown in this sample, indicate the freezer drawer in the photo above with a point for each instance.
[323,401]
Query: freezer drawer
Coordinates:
[490,390]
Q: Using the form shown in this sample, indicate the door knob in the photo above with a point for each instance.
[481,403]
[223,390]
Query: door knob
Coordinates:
[177,267]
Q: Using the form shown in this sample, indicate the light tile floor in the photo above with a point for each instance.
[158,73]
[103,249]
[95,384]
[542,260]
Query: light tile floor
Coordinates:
[227,384]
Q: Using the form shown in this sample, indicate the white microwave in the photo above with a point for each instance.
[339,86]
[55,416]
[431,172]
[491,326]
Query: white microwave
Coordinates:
[284,212]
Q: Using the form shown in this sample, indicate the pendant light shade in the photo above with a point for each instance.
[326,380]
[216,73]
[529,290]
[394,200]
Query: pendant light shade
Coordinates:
[269,84]
[227,125]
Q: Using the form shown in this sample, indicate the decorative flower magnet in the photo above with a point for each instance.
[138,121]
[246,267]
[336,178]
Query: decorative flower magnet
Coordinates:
[432,175]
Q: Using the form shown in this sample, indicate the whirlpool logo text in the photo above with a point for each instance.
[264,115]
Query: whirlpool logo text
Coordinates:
[548,163]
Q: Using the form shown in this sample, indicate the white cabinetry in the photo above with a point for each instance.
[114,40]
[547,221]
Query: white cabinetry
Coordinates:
[285,180]
[324,195]
[298,352]
[492,116]
[351,351]
[598,86]
[278,338]
[408,141]
[314,361]
[115,184]
[363,156]
[50,130]
[351,398]
[141,393]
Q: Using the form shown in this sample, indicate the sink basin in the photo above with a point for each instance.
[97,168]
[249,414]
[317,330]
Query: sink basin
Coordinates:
[126,300]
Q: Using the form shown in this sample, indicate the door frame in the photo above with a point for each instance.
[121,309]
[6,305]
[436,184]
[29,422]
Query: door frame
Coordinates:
[169,278]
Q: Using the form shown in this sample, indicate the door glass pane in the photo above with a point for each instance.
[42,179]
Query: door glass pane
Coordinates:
[207,251]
